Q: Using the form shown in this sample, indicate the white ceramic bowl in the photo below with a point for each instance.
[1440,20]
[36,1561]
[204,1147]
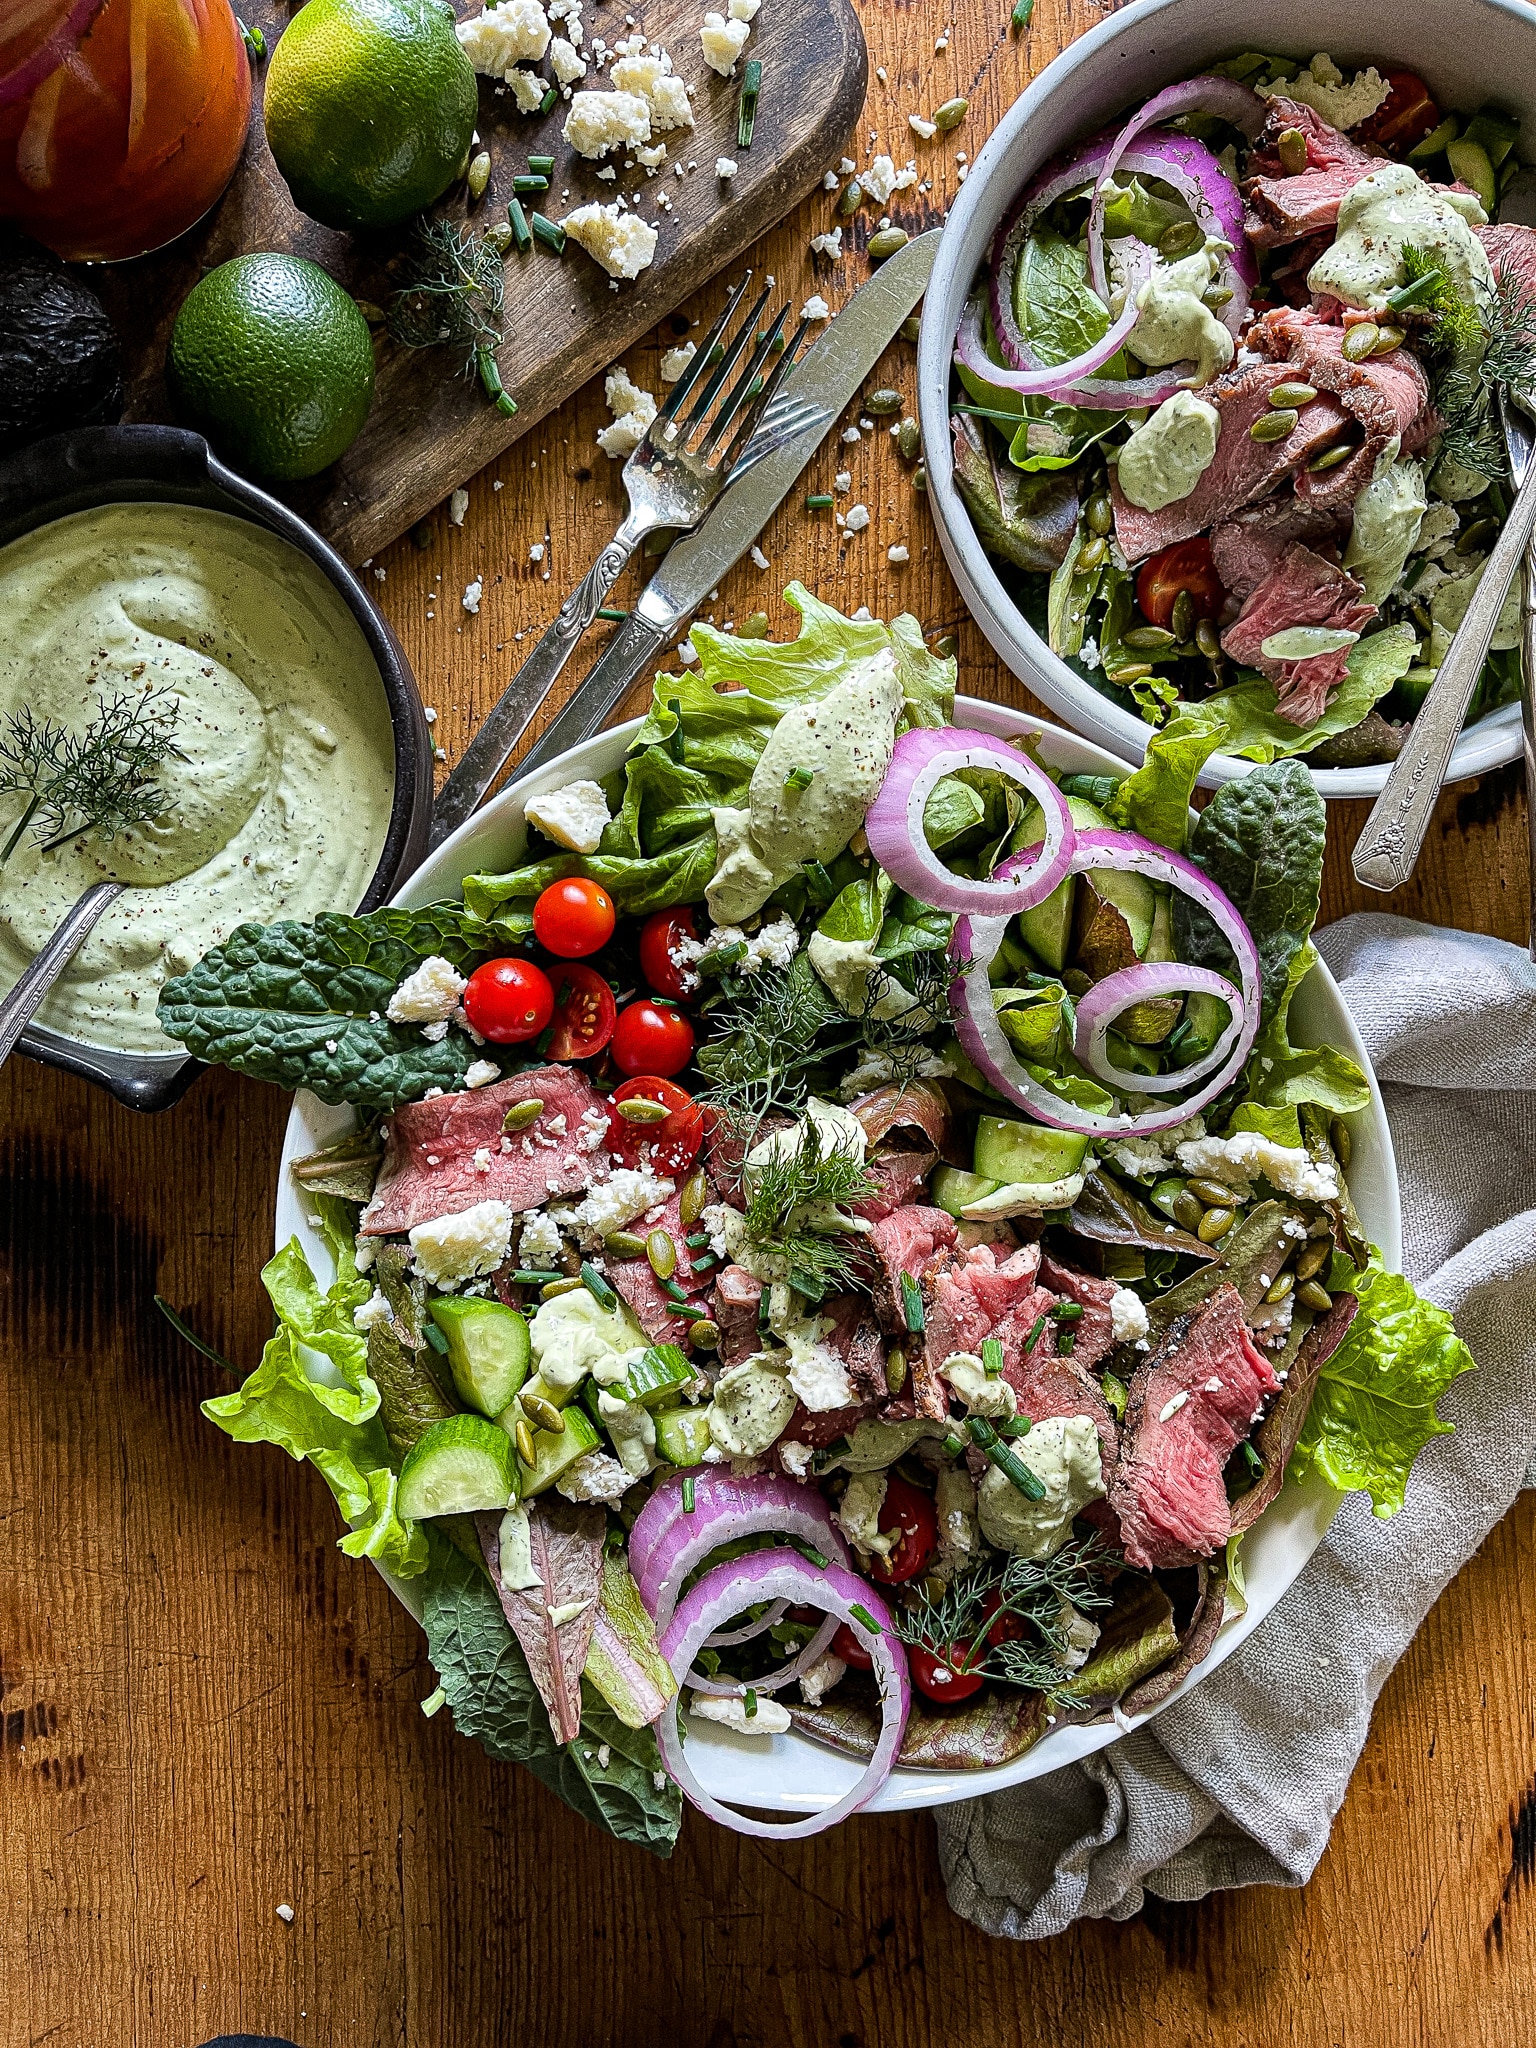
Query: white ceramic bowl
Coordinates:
[789,1773]
[1468,51]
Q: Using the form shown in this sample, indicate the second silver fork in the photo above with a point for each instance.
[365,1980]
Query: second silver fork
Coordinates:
[673,477]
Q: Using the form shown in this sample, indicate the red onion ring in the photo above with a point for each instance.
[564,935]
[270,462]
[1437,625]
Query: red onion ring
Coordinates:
[1098,1009]
[974,947]
[894,824]
[845,1599]
[1106,394]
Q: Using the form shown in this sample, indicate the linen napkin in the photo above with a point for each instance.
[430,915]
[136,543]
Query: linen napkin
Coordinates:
[1238,1783]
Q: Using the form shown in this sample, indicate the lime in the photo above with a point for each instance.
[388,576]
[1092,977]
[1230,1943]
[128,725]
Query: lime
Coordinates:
[370,106]
[272,360]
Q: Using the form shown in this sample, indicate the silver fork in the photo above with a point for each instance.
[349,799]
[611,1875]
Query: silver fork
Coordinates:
[672,478]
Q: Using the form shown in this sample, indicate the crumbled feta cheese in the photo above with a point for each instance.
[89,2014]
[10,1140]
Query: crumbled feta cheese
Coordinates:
[430,994]
[459,1247]
[926,129]
[731,1712]
[1343,103]
[858,518]
[458,505]
[830,182]
[284,1913]
[536,552]
[650,160]
[818,1679]
[600,121]
[1248,1155]
[528,90]
[374,1310]
[575,815]
[687,652]
[725,169]
[622,243]
[843,481]
[796,1459]
[879,180]
[513,32]
[1150,1158]
[896,556]
[1129,1316]
[758,559]
[472,594]
[851,437]
[480,1073]
[829,245]
[434,1033]
[818,1376]
[743,10]
[676,361]
[1171,1408]
[566,61]
[846,166]
[651,78]
[722,42]
[725,1226]
[815,308]
[594,1477]
[539,1244]
[627,1193]
[633,411]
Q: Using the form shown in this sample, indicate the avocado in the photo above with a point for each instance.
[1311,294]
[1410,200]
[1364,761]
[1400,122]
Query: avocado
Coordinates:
[60,365]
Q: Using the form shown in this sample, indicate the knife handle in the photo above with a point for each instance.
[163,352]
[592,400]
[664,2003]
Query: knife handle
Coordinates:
[598,691]
[490,749]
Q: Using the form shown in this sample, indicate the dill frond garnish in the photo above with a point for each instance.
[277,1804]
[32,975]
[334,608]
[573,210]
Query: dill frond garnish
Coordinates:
[455,292]
[101,779]
[1468,350]
[795,1198]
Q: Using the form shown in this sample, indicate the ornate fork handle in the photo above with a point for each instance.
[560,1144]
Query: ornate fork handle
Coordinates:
[585,601]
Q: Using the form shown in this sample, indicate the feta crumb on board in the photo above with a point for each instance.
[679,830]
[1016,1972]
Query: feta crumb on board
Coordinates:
[528,89]
[451,1249]
[600,121]
[731,1712]
[633,410]
[622,243]
[815,308]
[513,32]
[725,169]
[722,41]
[651,78]
[566,62]
[843,481]
[898,556]
[458,505]
[926,129]
[829,245]
[758,559]
[858,518]
[575,815]
[473,591]
[676,360]
[430,994]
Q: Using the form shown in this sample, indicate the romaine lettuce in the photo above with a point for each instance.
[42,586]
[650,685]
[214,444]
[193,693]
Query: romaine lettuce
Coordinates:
[1255,731]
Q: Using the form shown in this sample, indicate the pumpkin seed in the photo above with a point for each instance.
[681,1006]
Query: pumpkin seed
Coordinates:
[753,627]
[1330,459]
[694,1196]
[884,402]
[478,176]
[1472,539]
[1211,1192]
[1281,1287]
[1341,1141]
[1292,152]
[1182,618]
[1274,426]
[704,1336]
[662,1253]
[909,440]
[1215,1224]
[1292,395]
[1207,639]
[1314,1296]
[523,1437]
[624,1244]
[950,115]
[909,328]
[1149,637]
[1390,339]
[498,236]
[374,315]
[1216,295]
[852,199]
[541,1413]
[896,1369]
[920,477]
[556,1288]
[1187,1212]
[1360,341]
[1314,1258]
[886,243]
[1094,551]
[1130,672]
[1101,514]
[523,1113]
[640,1109]
[1182,239]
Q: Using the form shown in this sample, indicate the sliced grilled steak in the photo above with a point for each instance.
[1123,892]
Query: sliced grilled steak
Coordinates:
[1047,1385]
[1094,1331]
[1512,252]
[904,1242]
[855,1337]
[898,1178]
[736,1299]
[1247,548]
[1303,589]
[1388,395]
[1284,208]
[637,1283]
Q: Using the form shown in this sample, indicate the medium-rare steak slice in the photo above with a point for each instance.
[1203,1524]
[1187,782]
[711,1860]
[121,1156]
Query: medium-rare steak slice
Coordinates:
[1286,207]
[447,1154]
[1388,395]
[1094,1330]
[1303,589]
[1247,547]
[738,1294]
[1191,1402]
[904,1242]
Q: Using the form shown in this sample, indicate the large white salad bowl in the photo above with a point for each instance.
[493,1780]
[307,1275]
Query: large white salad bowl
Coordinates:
[1468,51]
[789,1773]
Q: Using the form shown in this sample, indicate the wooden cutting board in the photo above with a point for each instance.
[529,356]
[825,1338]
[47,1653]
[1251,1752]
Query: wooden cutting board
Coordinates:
[429,428]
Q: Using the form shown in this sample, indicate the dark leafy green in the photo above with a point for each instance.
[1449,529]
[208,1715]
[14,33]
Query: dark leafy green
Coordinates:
[1028,520]
[494,1701]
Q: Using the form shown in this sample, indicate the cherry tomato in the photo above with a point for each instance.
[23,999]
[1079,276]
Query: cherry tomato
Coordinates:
[937,1679]
[509,1000]
[651,1039]
[1007,1628]
[584,1013]
[1187,566]
[573,918]
[910,1510]
[845,1644]
[673,1145]
[658,940]
[1405,116]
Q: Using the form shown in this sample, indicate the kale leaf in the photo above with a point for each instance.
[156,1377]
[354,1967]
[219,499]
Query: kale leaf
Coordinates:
[303,1005]
[495,1702]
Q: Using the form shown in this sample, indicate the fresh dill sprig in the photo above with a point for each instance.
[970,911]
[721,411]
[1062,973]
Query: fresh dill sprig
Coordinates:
[795,1195]
[455,292]
[772,1032]
[1468,350]
[101,779]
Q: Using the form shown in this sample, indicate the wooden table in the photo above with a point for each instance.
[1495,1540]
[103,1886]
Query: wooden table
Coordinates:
[205,1711]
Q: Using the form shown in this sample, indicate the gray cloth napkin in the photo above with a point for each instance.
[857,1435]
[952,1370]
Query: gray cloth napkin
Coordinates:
[1238,1783]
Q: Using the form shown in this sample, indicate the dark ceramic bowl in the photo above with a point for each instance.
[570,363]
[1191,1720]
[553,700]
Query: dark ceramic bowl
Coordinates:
[108,465]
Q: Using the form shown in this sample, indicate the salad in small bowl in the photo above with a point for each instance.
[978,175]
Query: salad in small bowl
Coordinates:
[827,1249]
[1219,410]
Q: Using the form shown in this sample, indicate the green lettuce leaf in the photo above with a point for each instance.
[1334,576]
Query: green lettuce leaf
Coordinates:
[1025,520]
[331,1420]
[1257,732]
[1281,1074]
[1261,842]
[1154,801]
[1375,1405]
[1060,316]
[1282,1126]
[495,1702]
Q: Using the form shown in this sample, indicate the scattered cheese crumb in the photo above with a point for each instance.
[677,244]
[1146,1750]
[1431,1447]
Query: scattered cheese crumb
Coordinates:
[858,518]
[759,559]
[843,481]
[676,361]
[851,437]
[536,552]
[622,243]
[652,79]
[897,556]
[829,245]
[815,308]
[285,1914]
[566,62]
[458,505]
[480,1073]
[722,42]
[513,32]
[429,995]
[725,169]
[600,121]
[527,90]
[472,593]
[830,182]
[731,1712]
[633,410]
[576,815]
[460,1247]
[926,129]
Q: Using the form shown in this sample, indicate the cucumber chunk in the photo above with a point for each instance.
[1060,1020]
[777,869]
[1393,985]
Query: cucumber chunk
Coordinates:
[461,1466]
[1010,1151]
[1436,140]
[952,1190]
[552,1454]
[682,1435]
[1493,131]
[487,1350]
[1047,929]
[1470,162]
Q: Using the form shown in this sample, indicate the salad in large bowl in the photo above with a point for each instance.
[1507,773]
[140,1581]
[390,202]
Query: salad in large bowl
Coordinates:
[1221,411]
[841,1242]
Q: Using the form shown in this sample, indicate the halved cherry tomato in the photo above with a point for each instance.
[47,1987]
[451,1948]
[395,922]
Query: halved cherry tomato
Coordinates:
[584,1013]
[1187,566]
[1007,1628]
[574,918]
[911,1511]
[1405,116]
[650,1038]
[509,1000]
[940,1680]
[659,936]
[671,1145]
[845,1644]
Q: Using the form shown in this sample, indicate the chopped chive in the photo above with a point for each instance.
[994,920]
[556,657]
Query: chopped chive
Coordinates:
[763,1306]
[813,1556]
[806,1284]
[542,166]
[597,1286]
[987,1440]
[1068,1311]
[992,1355]
[522,183]
[1065,1340]
[686,1313]
[1022,10]
[751,85]
[912,1303]
[526,1277]
[490,379]
[749,1700]
[611,611]
[818,501]
[522,234]
[799,778]
[436,1339]
[1414,293]
[551,96]
[1034,1336]
[688,1494]
[863,1614]
[695,1238]
[705,1262]
[1014,1425]
[670,1287]
[549,232]
[953,1444]
[255,42]
[821,881]
[1253,1461]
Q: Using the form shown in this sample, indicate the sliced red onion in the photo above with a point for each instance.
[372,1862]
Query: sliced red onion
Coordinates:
[728,1638]
[780,1574]
[974,947]
[667,1542]
[894,824]
[1105,394]
[1103,1003]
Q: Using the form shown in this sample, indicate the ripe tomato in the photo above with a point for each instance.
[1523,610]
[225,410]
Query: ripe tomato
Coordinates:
[1187,566]
[584,1013]
[651,1039]
[509,1000]
[658,939]
[910,1510]
[573,918]
[673,1144]
[1007,1628]
[937,1679]
[845,1644]
[1405,116]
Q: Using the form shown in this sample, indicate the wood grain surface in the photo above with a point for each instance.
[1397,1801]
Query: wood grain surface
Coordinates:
[430,428]
[206,1711]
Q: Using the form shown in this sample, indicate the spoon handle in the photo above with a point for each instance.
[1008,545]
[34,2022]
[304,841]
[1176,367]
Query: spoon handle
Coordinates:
[37,978]
[1387,850]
